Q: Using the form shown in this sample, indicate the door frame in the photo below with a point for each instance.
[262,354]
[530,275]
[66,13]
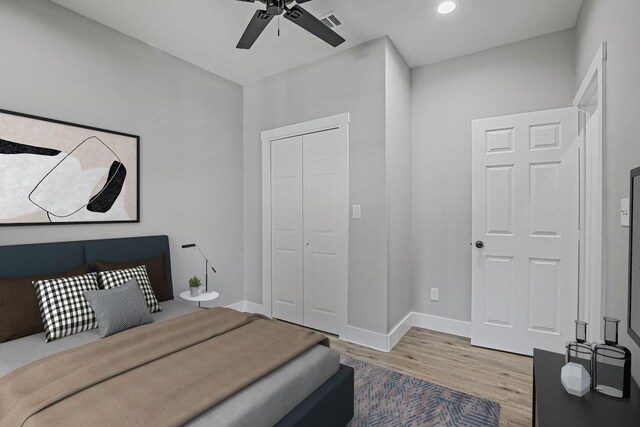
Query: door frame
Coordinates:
[339,121]
[593,236]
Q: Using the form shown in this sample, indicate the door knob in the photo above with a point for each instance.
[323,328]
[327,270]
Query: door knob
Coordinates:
[306,243]
[479,244]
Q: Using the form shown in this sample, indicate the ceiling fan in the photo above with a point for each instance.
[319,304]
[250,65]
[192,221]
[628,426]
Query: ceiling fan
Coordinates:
[295,14]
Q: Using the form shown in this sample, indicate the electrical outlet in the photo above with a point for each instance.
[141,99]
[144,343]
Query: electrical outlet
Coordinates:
[435,294]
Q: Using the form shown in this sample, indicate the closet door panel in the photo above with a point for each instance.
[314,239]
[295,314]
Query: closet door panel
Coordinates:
[324,221]
[286,229]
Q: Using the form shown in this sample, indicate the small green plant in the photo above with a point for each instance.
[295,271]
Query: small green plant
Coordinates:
[194,282]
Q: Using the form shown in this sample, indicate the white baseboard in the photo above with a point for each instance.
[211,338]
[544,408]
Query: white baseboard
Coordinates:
[400,330]
[239,306]
[249,307]
[376,340]
[253,307]
[442,324]
[386,342]
[367,338]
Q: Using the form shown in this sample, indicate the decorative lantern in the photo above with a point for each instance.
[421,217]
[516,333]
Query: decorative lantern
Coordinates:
[611,364]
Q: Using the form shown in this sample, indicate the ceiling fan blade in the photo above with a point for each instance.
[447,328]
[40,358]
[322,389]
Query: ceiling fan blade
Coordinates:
[302,1]
[257,25]
[304,19]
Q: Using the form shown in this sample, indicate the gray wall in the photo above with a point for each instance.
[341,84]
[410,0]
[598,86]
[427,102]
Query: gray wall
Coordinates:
[535,74]
[58,64]
[398,171]
[618,25]
[351,81]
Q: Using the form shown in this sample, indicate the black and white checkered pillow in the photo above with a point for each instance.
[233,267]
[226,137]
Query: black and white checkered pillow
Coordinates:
[63,307]
[114,278]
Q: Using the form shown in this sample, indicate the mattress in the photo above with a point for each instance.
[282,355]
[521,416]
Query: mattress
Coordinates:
[17,353]
[261,404]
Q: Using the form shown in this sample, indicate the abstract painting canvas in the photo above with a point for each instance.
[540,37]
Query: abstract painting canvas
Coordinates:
[53,172]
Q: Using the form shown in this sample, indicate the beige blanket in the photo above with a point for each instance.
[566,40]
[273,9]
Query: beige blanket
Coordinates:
[163,374]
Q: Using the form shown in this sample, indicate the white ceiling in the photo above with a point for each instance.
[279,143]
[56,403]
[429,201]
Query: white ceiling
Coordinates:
[205,32]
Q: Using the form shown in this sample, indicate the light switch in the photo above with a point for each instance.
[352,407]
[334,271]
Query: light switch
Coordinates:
[624,212]
[356,212]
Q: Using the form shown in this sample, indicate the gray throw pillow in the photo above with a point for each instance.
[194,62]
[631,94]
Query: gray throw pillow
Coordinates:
[119,308]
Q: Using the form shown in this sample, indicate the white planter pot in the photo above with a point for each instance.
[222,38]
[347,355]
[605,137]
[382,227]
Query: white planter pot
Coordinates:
[194,292]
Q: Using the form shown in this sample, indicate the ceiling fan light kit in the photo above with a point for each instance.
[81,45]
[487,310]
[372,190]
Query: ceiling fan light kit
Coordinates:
[293,13]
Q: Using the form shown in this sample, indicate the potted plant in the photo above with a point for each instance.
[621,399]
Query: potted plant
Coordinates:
[194,286]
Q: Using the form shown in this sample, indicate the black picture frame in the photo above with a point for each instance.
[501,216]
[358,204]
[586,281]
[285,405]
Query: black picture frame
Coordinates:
[135,140]
[634,270]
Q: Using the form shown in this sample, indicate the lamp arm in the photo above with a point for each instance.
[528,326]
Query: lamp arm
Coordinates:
[205,258]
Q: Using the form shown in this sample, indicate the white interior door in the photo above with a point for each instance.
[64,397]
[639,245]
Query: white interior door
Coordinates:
[526,213]
[286,229]
[325,224]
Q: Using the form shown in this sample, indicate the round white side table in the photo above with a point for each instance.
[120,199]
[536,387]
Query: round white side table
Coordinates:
[205,296]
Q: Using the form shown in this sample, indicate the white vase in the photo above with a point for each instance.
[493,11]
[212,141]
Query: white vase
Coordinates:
[195,291]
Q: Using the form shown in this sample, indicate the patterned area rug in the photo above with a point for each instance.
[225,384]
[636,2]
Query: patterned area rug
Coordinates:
[388,398]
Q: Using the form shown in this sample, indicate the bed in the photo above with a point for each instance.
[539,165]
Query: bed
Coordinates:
[311,389]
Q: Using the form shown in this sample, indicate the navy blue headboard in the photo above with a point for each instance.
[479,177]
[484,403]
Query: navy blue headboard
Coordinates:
[49,258]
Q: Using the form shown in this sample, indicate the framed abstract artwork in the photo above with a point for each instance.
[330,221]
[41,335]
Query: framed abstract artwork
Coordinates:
[54,172]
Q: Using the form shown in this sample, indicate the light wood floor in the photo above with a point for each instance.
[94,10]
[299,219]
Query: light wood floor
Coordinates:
[452,362]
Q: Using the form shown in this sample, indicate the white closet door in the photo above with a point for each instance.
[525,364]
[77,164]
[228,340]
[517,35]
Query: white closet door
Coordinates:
[525,221]
[286,229]
[326,211]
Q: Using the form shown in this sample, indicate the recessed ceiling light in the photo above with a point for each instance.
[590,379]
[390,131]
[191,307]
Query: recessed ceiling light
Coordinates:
[447,7]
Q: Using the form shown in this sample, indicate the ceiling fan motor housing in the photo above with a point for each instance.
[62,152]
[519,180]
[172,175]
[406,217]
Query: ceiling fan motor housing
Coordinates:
[295,14]
[277,7]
